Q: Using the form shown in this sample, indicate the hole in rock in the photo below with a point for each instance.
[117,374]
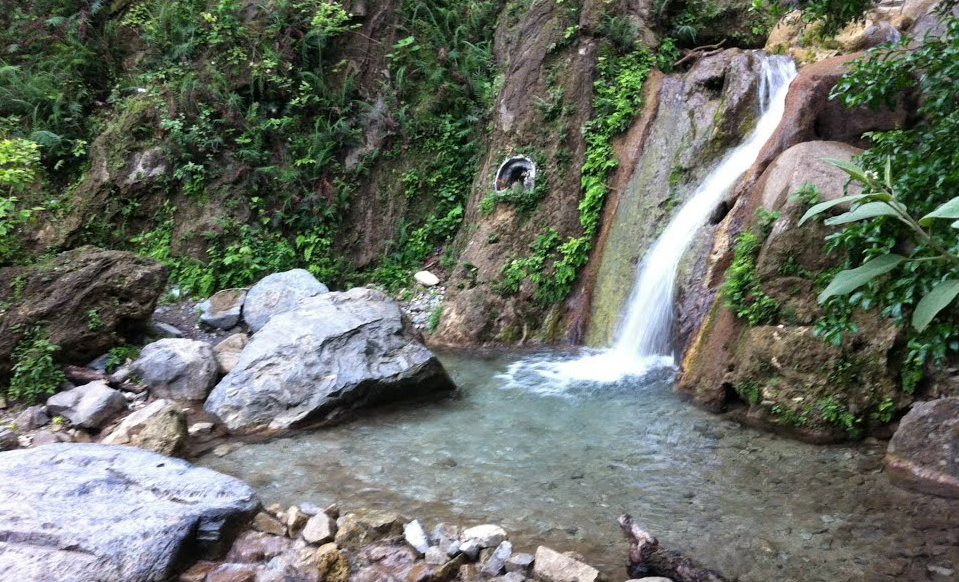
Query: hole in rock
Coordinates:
[516,171]
[720,212]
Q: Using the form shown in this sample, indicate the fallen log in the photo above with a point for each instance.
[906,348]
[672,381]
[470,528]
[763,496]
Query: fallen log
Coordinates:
[647,558]
[699,53]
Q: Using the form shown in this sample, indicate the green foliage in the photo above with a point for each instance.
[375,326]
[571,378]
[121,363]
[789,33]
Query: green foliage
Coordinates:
[741,288]
[119,355]
[885,411]
[751,391]
[19,161]
[808,194]
[436,315]
[836,412]
[94,322]
[35,374]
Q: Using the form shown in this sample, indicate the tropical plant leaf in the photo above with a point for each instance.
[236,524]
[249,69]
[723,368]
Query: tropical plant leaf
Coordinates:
[824,206]
[852,169]
[933,302]
[852,279]
[948,210]
[867,210]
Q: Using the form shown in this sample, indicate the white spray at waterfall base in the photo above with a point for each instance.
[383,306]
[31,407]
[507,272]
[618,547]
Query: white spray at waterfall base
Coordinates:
[644,336]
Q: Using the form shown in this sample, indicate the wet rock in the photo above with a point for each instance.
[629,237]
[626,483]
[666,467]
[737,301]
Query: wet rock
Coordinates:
[470,549]
[332,564]
[178,369]
[8,439]
[32,418]
[486,536]
[519,563]
[278,293]
[319,529]
[222,309]
[367,526]
[551,566]
[435,556]
[159,427]
[415,536]
[89,406]
[99,513]
[227,352]
[426,279]
[254,546]
[232,573]
[923,455]
[495,564]
[121,288]
[266,523]
[336,350]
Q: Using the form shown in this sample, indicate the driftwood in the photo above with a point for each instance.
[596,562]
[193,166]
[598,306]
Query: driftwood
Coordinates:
[79,376]
[700,52]
[647,558]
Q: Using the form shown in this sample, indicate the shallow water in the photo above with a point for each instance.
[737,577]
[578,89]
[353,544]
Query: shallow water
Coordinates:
[556,462]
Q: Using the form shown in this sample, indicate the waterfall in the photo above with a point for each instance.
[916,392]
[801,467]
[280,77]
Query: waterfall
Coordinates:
[644,338]
[646,330]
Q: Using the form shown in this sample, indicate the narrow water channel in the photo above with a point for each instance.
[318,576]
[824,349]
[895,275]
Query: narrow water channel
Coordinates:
[556,462]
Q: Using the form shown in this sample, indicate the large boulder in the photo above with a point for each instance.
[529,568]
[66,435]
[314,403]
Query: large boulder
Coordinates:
[178,369]
[87,301]
[159,427]
[334,351]
[279,293]
[923,455]
[89,406]
[223,309]
[99,513]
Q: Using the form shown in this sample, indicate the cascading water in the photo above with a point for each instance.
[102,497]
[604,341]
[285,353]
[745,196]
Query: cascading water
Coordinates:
[646,329]
[643,340]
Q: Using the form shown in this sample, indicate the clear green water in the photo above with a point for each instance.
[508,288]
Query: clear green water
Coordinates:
[556,462]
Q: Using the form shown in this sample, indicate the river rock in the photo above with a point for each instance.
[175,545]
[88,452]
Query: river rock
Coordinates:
[177,369]
[367,526]
[89,406]
[279,293]
[470,549]
[486,536]
[319,529]
[120,288]
[415,536]
[222,309]
[8,439]
[497,561]
[100,513]
[232,573]
[159,427]
[49,437]
[923,455]
[254,546]
[32,418]
[227,352]
[266,523]
[519,563]
[334,351]
[551,566]
[426,279]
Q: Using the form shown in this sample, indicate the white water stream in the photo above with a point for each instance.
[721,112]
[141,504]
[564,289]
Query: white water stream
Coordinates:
[644,337]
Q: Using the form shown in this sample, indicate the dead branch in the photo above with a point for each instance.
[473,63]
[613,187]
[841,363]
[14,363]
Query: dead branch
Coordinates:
[647,558]
[700,52]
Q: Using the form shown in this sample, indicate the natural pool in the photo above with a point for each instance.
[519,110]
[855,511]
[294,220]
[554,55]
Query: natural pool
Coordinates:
[556,462]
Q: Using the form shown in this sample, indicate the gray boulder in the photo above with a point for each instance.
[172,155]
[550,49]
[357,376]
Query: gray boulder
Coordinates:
[178,369]
[99,513]
[89,406]
[32,418]
[335,351]
[8,439]
[279,293]
[159,427]
[222,309]
[923,455]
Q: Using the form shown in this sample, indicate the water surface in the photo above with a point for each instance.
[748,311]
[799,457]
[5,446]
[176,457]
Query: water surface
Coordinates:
[556,461]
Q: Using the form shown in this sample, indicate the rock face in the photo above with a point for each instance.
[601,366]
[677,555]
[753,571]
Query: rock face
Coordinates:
[789,379]
[227,352]
[159,427]
[98,513]
[923,455]
[222,310]
[178,369]
[337,350]
[279,293]
[89,406]
[86,300]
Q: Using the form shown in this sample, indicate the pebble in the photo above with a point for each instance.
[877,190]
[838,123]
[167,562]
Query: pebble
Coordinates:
[415,536]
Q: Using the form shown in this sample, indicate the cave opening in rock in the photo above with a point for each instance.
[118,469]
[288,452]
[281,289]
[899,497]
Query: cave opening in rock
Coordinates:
[518,171]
